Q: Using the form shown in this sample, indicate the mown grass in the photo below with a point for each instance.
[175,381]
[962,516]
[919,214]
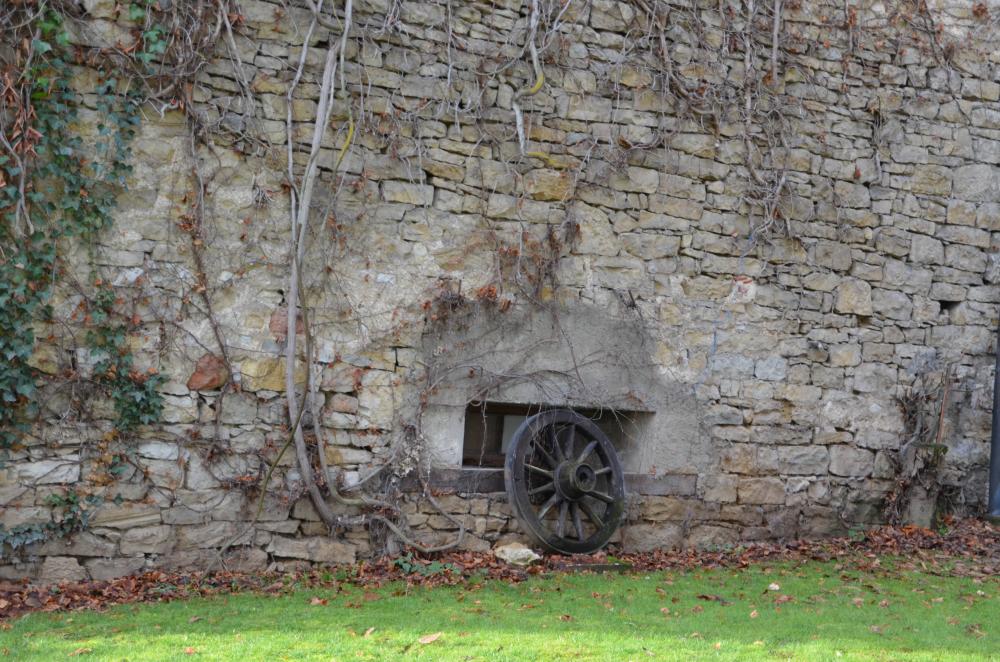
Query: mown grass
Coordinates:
[819,611]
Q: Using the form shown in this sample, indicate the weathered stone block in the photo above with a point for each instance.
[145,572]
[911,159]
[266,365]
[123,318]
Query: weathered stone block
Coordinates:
[801,460]
[648,537]
[147,540]
[126,515]
[107,569]
[318,549]
[926,250]
[761,490]
[854,297]
[61,569]
[47,472]
[851,462]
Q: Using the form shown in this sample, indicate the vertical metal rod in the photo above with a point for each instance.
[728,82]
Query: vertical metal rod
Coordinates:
[993,501]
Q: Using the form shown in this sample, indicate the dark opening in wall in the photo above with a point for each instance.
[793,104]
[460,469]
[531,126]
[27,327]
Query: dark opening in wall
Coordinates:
[948,307]
[490,427]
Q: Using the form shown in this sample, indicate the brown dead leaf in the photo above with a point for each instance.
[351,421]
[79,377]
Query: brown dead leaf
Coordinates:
[368,632]
[665,611]
[857,602]
[194,619]
[430,638]
[319,602]
[565,617]
[782,599]
[190,650]
[81,651]
[883,604]
[697,609]
[754,614]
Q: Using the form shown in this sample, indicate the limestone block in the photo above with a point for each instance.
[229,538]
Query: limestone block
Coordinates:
[29,515]
[977,183]
[339,455]
[108,569]
[211,534]
[316,549]
[651,246]
[268,374]
[61,569]
[411,194]
[854,296]
[773,368]
[147,540]
[892,304]
[761,490]
[545,184]
[164,473]
[158,450]
[237,409]
[926,250]
[47,472]
[845,355]
[709,535]
[126,515]
[84,543]
[649,537]
[851,462]
[740,459]
[931,180]
[852,195]
[796,460]
[718,487]
[639,180]
[961,234]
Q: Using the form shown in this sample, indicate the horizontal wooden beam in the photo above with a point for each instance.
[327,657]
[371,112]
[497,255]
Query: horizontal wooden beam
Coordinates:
[484,481]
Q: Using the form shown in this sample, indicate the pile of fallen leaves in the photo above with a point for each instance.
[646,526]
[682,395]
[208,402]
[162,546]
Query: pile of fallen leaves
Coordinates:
[968,548]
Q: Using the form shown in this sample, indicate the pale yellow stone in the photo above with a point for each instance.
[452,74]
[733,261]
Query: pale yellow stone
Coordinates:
[268,374]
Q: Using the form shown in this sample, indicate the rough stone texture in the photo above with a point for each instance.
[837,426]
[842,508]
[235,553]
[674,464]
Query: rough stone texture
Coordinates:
[319,550]
[767,373]
[59,569]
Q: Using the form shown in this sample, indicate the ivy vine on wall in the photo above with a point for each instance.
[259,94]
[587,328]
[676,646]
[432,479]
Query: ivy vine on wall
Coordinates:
[55,187]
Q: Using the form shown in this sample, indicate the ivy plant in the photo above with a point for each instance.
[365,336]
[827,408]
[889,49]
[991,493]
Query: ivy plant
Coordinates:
[54,187]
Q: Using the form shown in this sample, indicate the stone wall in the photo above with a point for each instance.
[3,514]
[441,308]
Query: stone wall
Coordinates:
[771,360]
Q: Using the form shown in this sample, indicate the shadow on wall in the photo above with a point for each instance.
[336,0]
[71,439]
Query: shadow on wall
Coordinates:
[576,356]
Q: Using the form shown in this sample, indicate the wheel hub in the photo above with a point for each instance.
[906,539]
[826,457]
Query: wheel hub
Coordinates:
[575,480]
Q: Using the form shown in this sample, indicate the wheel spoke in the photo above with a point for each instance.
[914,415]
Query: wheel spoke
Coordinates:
[587,451]
[570,441]
[560,456]
[577,524]
[601,472]
[591,515]
[561,526]
[538,470]
[545,454]
[547,487]
[606,498]
[553,500]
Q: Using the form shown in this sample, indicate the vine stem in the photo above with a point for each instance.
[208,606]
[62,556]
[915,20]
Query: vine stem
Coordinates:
[539,79]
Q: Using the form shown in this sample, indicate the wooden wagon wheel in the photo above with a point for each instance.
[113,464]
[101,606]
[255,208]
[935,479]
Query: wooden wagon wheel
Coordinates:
[565,482]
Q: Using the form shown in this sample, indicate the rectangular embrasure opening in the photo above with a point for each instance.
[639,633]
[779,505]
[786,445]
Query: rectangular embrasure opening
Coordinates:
[490,427]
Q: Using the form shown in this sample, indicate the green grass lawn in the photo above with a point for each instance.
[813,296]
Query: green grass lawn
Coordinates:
[812,611]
